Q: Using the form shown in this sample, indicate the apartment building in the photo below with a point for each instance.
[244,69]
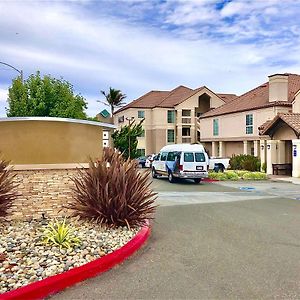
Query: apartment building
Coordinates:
[264,122]
[170,116]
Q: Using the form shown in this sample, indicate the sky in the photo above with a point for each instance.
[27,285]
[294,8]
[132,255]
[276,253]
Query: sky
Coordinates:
[137,46]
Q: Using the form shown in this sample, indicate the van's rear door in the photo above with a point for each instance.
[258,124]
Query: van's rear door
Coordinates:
[193,162]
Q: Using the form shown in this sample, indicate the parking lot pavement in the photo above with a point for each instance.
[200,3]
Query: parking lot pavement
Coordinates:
[234,249]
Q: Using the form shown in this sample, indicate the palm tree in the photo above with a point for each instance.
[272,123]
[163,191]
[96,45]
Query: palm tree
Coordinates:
[113,99]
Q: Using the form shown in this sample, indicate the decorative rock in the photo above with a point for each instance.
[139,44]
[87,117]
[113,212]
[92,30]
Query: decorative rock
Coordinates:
[27,259]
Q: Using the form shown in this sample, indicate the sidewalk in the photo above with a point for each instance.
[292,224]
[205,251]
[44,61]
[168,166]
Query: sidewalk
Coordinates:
[293,180]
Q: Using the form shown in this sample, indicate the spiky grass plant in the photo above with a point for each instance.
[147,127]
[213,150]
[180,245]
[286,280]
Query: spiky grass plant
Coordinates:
[8,191]
[113,192]
[61,234]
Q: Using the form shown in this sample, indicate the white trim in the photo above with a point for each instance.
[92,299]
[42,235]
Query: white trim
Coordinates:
[54,119]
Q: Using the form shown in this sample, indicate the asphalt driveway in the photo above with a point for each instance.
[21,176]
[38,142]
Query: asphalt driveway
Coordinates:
[234,249]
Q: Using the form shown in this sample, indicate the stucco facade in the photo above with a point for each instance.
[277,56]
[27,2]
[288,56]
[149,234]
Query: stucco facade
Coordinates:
[159,129]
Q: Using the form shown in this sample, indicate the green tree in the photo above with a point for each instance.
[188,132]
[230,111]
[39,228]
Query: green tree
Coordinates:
[113,99]
[45,96]
[125,139]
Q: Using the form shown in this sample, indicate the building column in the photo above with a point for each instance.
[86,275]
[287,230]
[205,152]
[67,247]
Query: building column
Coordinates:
[256,148]
[193,127]
[178,126]
[222,149]
[296,158]
[281,152]
[246,147]
[214,149]
[271,155]
[263,157]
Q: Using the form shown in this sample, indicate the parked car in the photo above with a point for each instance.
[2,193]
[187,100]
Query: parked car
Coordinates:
[218,164]
[181,161]
[149,160]
[141,161]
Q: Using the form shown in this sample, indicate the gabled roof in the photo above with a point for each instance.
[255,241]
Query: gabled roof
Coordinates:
[257,98]
[169,99]
[291,119]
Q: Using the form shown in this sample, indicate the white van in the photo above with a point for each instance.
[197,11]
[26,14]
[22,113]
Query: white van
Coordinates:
[188,161]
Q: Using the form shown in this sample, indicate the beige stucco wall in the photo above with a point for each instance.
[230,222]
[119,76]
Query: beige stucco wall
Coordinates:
[284,133]
[228,128]
[233,148]
[49,142]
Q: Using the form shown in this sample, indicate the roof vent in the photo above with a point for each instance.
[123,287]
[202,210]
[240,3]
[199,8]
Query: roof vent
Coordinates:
[278,87]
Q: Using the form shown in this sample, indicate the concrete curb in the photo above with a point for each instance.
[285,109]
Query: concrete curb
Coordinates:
[56,283]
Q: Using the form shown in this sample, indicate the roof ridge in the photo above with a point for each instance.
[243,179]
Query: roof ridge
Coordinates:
[171,93]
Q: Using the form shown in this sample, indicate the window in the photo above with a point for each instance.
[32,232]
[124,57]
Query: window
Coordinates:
[171,156]
[140,152]
[199,157]
[249,124]
[186,112]
[186,131]
[171,136]
[141,114]
[216,126]
[188,157]
[121,119]
[171,116]
[163,156]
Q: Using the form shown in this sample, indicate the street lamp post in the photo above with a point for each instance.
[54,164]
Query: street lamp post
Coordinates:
[19,71]
[131,119]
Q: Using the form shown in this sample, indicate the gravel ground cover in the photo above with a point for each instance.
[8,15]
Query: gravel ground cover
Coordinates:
[25,259]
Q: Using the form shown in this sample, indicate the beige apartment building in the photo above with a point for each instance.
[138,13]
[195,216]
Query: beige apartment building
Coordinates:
[264,122]
[170,116]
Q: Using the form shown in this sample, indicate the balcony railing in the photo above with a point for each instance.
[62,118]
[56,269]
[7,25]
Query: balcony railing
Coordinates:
[186,120]
[186,140]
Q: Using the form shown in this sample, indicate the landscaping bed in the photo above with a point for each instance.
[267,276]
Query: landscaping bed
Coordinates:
[237,175]
[25,258]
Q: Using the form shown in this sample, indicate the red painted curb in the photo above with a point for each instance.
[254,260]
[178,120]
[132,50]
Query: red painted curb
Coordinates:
[210,180]
[56,283]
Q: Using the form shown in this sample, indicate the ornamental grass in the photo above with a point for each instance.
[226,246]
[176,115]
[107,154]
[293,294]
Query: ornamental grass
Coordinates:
[8,191]
[113,192]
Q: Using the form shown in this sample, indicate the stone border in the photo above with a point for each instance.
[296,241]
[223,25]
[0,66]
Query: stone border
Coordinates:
[56,283]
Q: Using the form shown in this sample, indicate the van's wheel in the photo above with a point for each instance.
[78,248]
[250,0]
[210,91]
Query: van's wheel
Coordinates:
[154,175]
[197,180]
[171,177]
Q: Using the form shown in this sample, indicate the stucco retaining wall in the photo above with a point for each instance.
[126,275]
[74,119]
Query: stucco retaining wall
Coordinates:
[42,191]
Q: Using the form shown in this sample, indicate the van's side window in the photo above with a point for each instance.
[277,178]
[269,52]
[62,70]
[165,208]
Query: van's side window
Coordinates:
[157,157]
[199,157]
[171,156]
[163,156]
[189,157]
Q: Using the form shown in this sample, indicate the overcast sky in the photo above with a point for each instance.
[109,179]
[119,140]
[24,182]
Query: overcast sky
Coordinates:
[137,46]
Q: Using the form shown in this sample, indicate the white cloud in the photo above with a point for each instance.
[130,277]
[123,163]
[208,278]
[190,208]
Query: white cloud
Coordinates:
[95,50]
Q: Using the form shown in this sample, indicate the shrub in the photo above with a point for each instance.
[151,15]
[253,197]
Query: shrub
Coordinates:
[241,173]
[61,234]
[245,162]
[113,194]
[8,191]
[264,167]
[231,175]
[254,176]
[217,176]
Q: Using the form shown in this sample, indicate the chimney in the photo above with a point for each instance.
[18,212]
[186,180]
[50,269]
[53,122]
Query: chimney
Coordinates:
[278,87]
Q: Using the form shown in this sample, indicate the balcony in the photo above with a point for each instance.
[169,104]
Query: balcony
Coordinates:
[186,140]
[186,120]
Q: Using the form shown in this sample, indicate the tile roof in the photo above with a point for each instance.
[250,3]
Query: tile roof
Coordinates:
[291,119]
[169,98]
[257,98]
